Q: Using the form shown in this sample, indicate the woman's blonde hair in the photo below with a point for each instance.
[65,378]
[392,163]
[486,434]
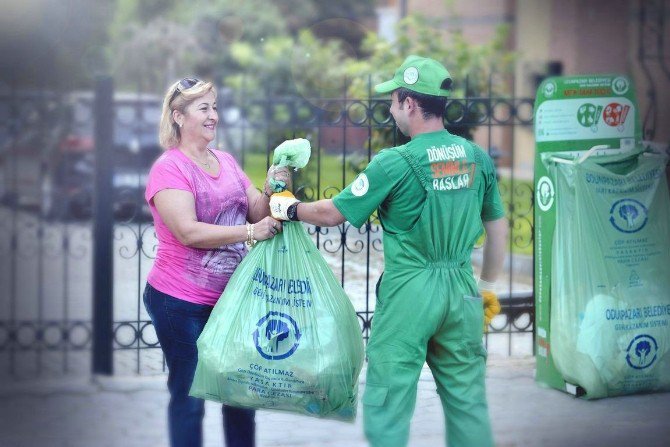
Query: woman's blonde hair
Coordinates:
[178,96]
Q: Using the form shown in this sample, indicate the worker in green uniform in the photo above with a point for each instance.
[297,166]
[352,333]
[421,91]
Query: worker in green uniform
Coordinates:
[434,195]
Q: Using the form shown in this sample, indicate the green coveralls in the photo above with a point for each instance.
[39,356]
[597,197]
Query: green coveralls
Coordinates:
[428,308]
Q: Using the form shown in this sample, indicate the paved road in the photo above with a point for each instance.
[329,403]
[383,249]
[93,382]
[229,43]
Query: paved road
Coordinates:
[131,412]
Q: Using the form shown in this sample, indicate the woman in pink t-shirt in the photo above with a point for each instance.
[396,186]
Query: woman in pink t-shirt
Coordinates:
[205,209]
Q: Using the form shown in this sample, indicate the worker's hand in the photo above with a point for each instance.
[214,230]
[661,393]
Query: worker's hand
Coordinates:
[490,301]
[491,306]
[280,203]
[277,179]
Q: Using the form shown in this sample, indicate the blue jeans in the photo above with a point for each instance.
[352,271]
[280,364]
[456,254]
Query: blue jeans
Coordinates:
[178,324]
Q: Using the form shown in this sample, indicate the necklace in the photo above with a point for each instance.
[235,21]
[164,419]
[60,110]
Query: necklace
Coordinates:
[204,163]
[207,164]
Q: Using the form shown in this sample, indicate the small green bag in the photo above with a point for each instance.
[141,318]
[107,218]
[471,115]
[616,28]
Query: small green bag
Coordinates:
[293,154]
[283,335]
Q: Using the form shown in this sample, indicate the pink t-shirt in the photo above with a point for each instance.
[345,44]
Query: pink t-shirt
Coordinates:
[193,274]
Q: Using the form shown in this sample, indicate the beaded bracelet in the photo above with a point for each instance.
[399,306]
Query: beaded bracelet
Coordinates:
[250,236]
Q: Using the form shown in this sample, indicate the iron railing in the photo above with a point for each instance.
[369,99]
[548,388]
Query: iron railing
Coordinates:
[62,288]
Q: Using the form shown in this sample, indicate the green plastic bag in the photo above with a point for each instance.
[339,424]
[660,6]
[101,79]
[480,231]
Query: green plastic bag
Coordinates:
[293,154]
[610,287]
[284,334]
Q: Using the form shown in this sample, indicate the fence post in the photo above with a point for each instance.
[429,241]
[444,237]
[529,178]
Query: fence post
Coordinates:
[103,265]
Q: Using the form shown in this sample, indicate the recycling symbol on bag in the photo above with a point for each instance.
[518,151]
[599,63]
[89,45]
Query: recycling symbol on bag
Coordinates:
[628,215]
[276,336]
[641,352]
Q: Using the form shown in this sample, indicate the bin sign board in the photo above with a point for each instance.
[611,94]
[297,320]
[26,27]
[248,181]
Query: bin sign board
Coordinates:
[572,114]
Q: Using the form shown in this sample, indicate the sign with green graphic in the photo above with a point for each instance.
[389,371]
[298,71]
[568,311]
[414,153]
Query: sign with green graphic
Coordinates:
[572,115]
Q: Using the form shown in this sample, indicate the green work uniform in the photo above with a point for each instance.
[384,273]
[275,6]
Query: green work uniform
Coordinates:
[432,195]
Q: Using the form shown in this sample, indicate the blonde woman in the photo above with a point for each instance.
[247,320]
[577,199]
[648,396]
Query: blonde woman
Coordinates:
[204,209]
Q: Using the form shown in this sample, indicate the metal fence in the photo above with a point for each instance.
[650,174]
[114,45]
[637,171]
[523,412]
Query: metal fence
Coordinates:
[77,241]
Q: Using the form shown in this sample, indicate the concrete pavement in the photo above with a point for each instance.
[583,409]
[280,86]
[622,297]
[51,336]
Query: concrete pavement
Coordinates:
[80,412]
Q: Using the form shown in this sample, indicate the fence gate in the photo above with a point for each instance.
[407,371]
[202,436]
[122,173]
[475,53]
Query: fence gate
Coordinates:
[74,268]
[45,252]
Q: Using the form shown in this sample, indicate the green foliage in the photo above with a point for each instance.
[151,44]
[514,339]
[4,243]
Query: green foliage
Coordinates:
[157,42]
[287,65]
[293,46]
[471,66]
[293,49]
[137,12]
[357,162]
[147,57]
[421,35]
[228,36]
[351,9]
[291,70]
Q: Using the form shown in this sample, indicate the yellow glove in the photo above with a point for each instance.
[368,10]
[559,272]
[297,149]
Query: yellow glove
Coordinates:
[491,306]
[490,300]
[280,203]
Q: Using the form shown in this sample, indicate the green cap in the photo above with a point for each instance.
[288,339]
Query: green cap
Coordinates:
[419,74]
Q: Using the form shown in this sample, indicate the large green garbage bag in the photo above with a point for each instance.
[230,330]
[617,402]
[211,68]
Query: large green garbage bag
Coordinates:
[284,334]
[610,297]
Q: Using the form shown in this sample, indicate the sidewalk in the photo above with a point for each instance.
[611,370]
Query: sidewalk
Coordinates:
[131,412]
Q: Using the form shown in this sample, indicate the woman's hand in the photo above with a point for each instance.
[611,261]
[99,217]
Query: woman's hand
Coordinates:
[266,228]
[277,174]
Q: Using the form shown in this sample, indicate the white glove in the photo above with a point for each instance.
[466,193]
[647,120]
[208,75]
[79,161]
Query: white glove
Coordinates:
[280,203]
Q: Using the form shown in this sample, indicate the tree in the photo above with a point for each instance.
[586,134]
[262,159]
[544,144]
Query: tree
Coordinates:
[219,27]
[259,48]
[418,34]
[471,66]
[148,58]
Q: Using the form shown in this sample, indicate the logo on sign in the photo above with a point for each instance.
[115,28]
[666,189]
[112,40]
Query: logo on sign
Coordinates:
[615,115]
[549,89]
[276,336]
[620,85]
[545,193]
[641,352]
[588,115]
[628,215]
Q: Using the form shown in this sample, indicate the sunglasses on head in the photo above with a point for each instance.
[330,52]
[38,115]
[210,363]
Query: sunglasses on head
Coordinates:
[184,84]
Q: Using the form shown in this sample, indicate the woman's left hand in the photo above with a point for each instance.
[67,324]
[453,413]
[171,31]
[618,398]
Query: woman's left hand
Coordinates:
[279,174]
[266,228]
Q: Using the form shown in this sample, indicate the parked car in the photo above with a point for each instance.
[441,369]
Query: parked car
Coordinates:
[49,164]
[30,132]
[135,146]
